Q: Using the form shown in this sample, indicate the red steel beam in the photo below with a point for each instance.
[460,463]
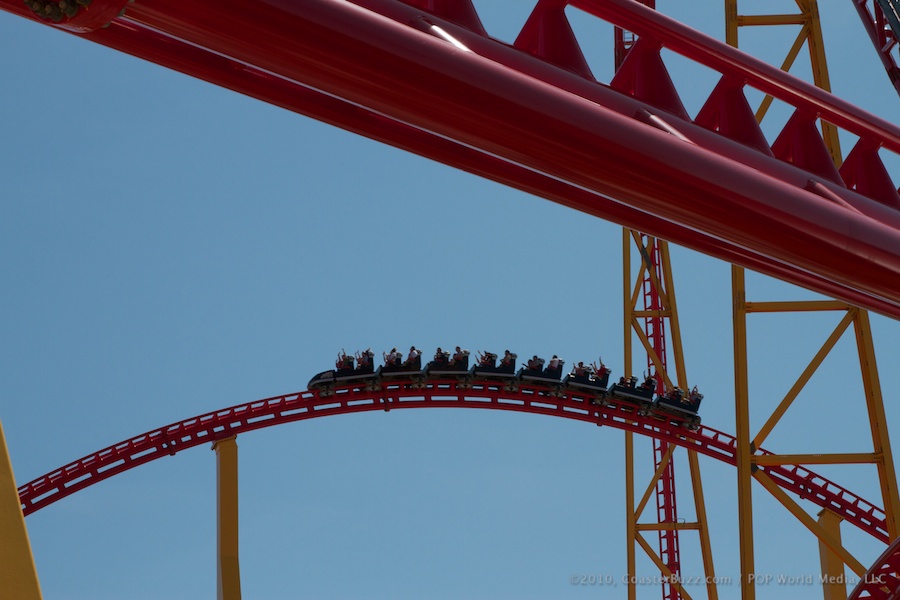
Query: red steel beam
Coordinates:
[587,153]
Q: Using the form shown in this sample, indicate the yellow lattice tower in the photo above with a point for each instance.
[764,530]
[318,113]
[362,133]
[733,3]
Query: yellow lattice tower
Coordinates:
[834,557]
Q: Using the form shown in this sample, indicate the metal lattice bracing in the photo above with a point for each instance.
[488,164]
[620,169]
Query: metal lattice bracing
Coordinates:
[880,18]
[834,557]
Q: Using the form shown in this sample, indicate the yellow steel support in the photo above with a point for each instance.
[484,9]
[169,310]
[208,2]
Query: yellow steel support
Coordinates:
[633,328]
[811,33]
[801,515]
[878,422]
[742,434]
[833,585]
[816,459]
[630,524]
[630,520]
[662,567]
[796,306]
[651,487]
[803,379]
[18,576]
[712,592]
[827,530]
[228,565]
[667,526]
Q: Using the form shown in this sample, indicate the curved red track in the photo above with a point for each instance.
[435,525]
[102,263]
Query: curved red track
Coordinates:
[882,580]
[242,418]
[531,115]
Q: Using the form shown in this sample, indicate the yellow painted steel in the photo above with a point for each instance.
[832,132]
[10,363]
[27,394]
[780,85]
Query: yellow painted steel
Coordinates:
[816,45]
[881,442]
[824,537]
[796,306]
[662,567]
[816,459]
[632,288]
[785,66]
[827,530]
[630,525]
[731,23]
[811,34]
[651,487]
[712,592]
[630,520]
[742,434]
[228,564]
[754,20]
[651,353]
[804,378]
[667,526]
[834,586]
[18,576]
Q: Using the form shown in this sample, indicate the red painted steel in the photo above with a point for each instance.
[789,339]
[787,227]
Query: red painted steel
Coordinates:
[243,418]
[883,39]
[666,497]
[551,125]
[882,580]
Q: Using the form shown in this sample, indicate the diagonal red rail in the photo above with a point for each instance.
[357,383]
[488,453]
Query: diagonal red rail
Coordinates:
[242,418]
[533,118]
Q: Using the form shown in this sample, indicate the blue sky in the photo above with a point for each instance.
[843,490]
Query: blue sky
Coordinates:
[169,248]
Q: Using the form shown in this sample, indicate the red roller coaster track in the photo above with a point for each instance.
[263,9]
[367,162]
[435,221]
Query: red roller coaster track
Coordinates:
[423,75]
[278,410]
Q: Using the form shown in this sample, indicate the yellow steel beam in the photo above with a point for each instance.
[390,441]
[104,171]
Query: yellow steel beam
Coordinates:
[816,459]
[651,352]
[681,376]
[666,526]
[712,592]
[652,314]
[652,486]
[804,378]
[755,20]
[18,576]
[785,66]
[816,44]
[646,251]
[663,568]
[731,23]
[674,324]
[628,303]
[824,536]
[628,309]
[811,34]
[878,423]
[742,435]
[833,585]
[646,266]
[796,306]
[228,564]
[630,525]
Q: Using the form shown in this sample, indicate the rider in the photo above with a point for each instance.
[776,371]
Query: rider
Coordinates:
[413,355]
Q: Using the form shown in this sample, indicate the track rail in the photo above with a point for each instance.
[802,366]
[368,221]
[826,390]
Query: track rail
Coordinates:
[882,580]
[531,115]
[278,410]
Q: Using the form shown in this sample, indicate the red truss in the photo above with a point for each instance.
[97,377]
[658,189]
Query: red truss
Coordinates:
[423,75]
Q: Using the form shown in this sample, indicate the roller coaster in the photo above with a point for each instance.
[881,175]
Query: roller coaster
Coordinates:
[591,378]
[425,76]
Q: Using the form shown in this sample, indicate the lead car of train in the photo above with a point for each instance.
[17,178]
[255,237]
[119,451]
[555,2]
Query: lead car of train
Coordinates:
[590,380]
